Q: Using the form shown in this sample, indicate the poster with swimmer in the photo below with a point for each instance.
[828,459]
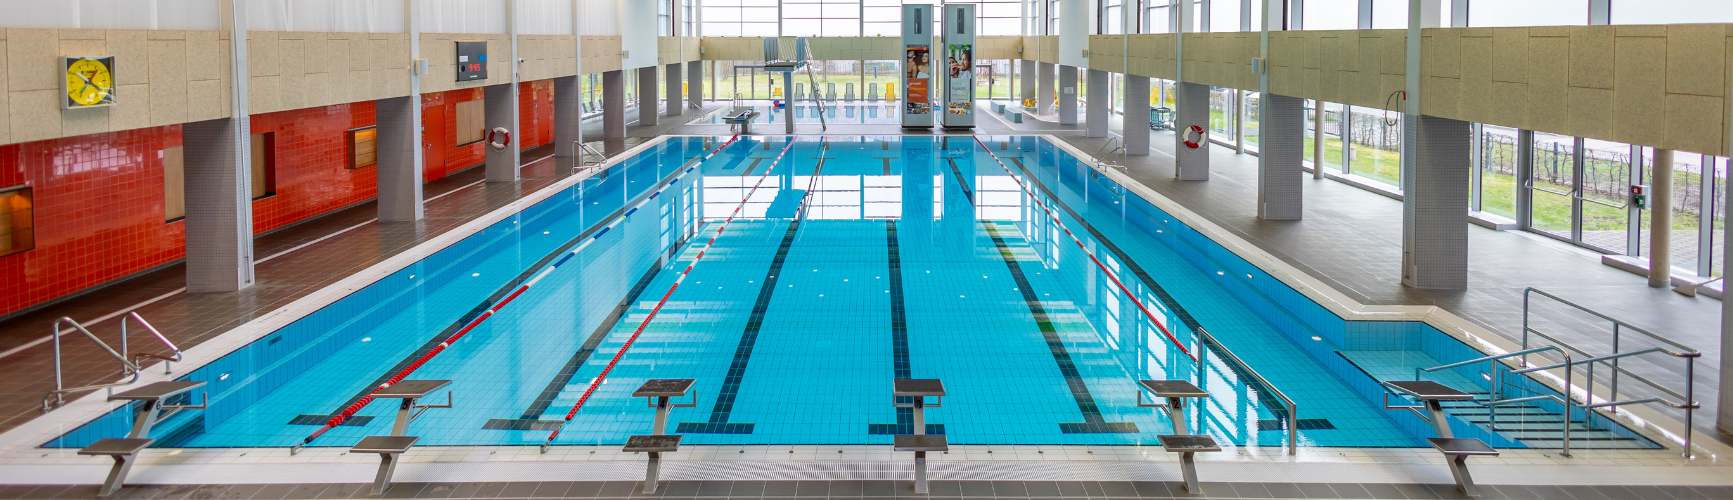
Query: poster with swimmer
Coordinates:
[959,63]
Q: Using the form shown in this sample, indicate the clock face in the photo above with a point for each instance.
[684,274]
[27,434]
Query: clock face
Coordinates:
[89,81]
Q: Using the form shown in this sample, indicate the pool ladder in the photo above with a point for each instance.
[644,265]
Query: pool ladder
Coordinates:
[128,367]
[1110,154]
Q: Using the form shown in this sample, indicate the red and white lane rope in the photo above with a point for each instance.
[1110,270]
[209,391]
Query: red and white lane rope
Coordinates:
[1110,275]
[683,274]
[351,409]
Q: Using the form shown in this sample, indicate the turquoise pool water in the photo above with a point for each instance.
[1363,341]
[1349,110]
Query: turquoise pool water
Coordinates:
[805,112]
[860,260]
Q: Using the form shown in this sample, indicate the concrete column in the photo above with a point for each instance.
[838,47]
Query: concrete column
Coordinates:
[1191,107]
[695,84]
[673,90]
[1095,120]
[399,152]
[647,109]
[1435,202]
[1136,121]
[219,208]
[1661,220]
[1044,89]
[614,104]
[568,116]
[501,110]
[1067,95]
[1028,81]
[1280,153]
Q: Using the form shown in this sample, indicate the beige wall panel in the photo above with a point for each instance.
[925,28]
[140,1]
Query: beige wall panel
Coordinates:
[1589,109]
[325,84]
[1510,55]
[30,61]
[165,35]
[206,56]
[1442,96]
[206,100]
[1697,59]
[987,47]
[1548,74]
[1695,123]
[75,122]
[129,45]
[262,94]
[1638,95]
[135,113]
[35,113]
[338,54]
[1313,82]
[5,107]
[168,68]
[1656,30]
[1475,84]
[361,58]
[83,34]
[1442,49]
[1509,104]
[262,54]
[1589,65]
[730,48]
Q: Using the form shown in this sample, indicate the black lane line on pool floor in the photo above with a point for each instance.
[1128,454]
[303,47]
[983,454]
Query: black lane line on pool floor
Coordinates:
[485,304]
[900,368]
[1093,422]
[1266,397]
[724,407]
[530,421]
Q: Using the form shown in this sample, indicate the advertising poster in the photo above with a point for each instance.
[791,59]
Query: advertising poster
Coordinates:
[960,70]
[918,65]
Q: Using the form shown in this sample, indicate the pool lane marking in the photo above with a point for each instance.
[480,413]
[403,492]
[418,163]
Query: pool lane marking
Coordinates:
[724,407]
[1109,273]
[1093,422]
[900,359]
[357,405]
[658,309]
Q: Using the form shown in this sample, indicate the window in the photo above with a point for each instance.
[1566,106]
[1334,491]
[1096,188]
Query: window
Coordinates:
[1376,149]
[821,18]
[665,18]
[1498,159]
[1053,9]
[363,147]
[174,185]
[1224,16]
[1110,18]
[1532,13]
[689,17]
[1389,14]
[472,121]
[1157,18]
[264,164]
[739,17]
[1330,15]
[17,226]
[1671,11]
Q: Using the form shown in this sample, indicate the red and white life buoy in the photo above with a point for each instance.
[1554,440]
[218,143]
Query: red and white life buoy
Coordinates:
[498,138]
[1194,143]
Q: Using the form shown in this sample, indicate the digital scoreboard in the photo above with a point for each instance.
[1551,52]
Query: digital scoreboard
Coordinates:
[471,61]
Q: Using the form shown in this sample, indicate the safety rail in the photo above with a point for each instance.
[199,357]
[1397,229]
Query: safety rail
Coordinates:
[137,357]
[1686,400]
[1117,152]
[581,148]
[1228,354]
[1496,394]
[129,367]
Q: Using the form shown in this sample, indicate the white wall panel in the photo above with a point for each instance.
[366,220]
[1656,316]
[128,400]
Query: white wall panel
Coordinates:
[111,14]
[362,16]
[638,33]
[601,17]
[544,17]
[463,16]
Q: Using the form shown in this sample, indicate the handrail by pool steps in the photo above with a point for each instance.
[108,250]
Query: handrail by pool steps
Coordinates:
[1496,395]
[129,367]
[1228,354]
[1687,398]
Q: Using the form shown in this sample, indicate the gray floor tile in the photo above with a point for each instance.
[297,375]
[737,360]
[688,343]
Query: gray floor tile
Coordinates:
[343,490]
[937,489]
[746,489]
[1118,489]
[976,488]
[1150,489]
[711,489]
[552,489]
[1349,490]
[1251,490]
[812,489]
[845,488]
[304,491]
[439,490]
[780,488]
[399,490]
[1071,488]
[1041,488]
[518,490]
[878,488]
[1282,490]
[1317,490]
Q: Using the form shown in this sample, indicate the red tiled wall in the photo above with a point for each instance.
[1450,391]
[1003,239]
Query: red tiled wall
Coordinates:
[98,209]
[439,122]
[99,198]
[312,161]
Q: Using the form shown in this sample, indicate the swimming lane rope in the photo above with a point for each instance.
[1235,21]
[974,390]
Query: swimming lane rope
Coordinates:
[683,274]
[351,409]
[1109,273]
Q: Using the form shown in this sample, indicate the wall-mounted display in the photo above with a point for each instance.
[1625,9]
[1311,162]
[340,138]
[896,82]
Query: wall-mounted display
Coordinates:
[471,61]
[89,81]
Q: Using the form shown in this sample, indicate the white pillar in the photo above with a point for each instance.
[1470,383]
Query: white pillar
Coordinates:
[1136,119]
[1067,95]
[1095,120]
[1045,93]
[1435,202]
[695,84]
[1281,147]
[1661,220]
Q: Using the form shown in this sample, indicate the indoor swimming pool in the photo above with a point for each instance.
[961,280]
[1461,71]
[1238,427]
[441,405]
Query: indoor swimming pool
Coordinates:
[854,262]
[859,112]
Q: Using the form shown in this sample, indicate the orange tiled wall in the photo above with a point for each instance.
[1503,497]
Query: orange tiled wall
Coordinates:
[313,174]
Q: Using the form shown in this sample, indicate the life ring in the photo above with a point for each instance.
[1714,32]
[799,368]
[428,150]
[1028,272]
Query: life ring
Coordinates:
[1194,144]
[504,135]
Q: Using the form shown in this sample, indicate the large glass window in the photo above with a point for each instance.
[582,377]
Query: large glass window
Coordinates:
[1112,17]
[1377,145]
[1224,16]
[1221,114]
[1249,120]
[821,18]
[1330,15]
[1605,185]
[1670,11]
[739,17]
[1533,12]
[1554,181]
[1332,136]
[1498,163]
[1157,17]
[1390,14]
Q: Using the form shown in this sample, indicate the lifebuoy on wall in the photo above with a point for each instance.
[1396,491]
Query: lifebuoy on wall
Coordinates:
[1194,143]
[498,138]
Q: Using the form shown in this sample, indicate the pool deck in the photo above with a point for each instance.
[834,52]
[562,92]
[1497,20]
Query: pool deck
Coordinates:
[1349,241]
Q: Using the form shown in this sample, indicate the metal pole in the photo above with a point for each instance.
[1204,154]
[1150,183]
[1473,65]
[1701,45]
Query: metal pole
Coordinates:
[1614,396]
[1317,139]
[1661,218]
[1690,400]
[1566,449]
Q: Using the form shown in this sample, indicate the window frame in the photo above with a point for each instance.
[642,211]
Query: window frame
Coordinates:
[26,192]
[351,147]
[458,115]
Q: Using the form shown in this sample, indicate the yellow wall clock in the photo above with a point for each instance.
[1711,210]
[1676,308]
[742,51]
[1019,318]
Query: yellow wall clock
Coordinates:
[89,81]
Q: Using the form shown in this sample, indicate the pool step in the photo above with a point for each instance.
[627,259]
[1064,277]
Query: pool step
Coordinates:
[1537,427]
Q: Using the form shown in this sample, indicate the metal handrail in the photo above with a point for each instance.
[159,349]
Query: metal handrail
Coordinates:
[582,148]
[1293,408]
[1496,395]
[1118,146]
[1687,400]
[60,390]
[138,356]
